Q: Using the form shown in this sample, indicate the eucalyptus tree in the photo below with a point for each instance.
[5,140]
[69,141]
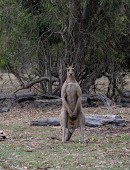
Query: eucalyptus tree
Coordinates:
[41,36]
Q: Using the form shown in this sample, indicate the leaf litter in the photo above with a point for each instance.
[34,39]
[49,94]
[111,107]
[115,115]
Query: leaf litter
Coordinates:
[41,147]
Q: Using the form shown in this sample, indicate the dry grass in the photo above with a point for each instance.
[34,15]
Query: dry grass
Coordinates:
[8,83]
[32,147]
[102,83]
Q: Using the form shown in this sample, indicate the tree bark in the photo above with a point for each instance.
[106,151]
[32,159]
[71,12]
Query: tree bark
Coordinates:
[91,78]
[74,36]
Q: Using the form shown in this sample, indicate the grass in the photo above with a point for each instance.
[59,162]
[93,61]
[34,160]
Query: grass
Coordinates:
[31,147]
[34,155]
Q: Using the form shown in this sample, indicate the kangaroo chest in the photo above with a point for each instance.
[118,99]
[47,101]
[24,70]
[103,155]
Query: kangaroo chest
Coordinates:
[71,94]
[71,90]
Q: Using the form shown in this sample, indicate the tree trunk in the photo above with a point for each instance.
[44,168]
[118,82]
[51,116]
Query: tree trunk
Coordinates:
[74,35]
[91,78]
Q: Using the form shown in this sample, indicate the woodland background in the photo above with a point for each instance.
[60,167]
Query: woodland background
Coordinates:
[38,37]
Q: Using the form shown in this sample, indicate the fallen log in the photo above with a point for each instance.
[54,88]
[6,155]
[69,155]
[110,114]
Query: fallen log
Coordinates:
[7,96]
[97,97]
[47,96]
[92,120]
[4,109]
[125,93]
[43,103]
[16,96]
[46,122]
[125,100]
[88,100]
[28,96]
[85,98]
[25,94]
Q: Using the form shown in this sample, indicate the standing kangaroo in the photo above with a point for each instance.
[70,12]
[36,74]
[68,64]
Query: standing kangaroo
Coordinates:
[71,116]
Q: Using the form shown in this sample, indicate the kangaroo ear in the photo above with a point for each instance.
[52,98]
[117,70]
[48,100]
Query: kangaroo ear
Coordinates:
[67,65]
[73,65]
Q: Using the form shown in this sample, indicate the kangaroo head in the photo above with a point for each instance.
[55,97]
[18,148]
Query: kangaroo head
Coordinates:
[70,70]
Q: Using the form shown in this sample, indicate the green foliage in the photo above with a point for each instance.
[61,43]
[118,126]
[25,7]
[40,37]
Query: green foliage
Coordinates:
[2,62]
[17,29]
[29,30]
[114,23]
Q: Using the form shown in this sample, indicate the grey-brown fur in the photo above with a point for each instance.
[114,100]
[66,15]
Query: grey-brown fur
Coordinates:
[71,116]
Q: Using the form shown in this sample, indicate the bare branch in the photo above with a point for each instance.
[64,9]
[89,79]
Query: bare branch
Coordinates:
[38,80]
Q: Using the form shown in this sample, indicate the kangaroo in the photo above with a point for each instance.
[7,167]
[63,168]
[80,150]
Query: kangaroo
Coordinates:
[71,116]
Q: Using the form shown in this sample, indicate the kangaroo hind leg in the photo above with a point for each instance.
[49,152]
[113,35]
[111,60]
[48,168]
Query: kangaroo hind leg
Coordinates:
[69,134]
[82,125]
[63,122]
[82,133]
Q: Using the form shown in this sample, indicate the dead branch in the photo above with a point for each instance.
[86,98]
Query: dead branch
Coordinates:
[38,80]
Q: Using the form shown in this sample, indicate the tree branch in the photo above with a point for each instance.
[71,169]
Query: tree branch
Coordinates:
[38,80]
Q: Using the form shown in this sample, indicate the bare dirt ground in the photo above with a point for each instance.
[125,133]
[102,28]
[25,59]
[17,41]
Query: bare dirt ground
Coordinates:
[31,147]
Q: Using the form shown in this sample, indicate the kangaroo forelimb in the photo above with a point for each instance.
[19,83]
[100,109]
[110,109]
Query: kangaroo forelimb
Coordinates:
[78,105]
[66,106]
